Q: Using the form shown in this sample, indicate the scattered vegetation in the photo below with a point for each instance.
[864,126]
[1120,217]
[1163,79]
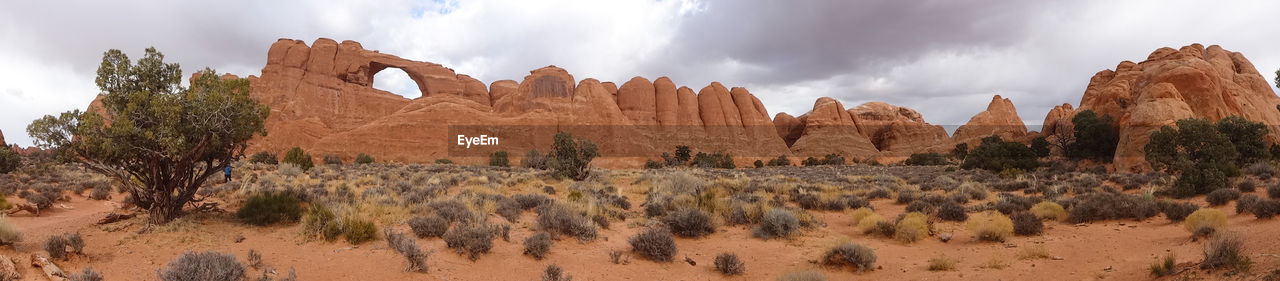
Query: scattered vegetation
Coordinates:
[776,223]
[1203,157]
[270,208]
[88,274]
[689,222]
[926,159]
[362,159]
[1222,196]
[1176,211]
[358,230]
[1026,224]
[56,246]
[555,273]
[996,155]
[807,275]
[1050,211]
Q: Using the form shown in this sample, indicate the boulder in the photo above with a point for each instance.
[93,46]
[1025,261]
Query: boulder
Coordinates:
[788,127]
[636,98]
[667,104]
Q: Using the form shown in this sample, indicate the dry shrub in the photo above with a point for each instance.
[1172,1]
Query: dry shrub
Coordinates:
[204,266]
[942,263]
[1206,219]
[776,223]
[857,256]
[990,226]
[429,226]
[654,244]
[729,264]
[1177,211]
[1025,224]
[857,215]
[807,275]
[868,223]
[1226,250]
[1165,267]
[470,239]
[405,246]
[1049,210]
[687,222]
[1034,252]
[911,228]
[537,245]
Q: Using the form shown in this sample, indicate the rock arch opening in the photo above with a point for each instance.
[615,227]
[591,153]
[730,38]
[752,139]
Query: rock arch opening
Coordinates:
[397,81]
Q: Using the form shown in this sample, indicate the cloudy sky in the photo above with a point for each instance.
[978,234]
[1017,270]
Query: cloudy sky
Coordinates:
[943,58]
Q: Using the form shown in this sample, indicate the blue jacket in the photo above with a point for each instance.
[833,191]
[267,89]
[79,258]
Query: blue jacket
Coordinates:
[227,170]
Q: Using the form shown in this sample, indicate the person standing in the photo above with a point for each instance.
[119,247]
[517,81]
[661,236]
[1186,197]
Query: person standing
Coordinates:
[226,174]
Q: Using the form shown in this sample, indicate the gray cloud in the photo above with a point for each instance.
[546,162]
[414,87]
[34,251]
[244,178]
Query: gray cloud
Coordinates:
[944,58]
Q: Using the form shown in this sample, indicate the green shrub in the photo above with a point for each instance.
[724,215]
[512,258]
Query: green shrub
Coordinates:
[1273,191]
[650,164]
[654,244]
[990,226]
[298,158]
[995,155]
[269,208]
[9,161]
[1222,196]
[776,223]
[534,160]
[926,159]
[1165,267]
[1247,186]
[758,163]
[729,264]
[719,160]
[1040,146]
[829,159]
[1203,158]
[780,161]
[1246,203]
[1176,211]
[358,230]
[362,158]
[204,266]
[858,256]
[537,245]
[499,159]
[444,161]
[470,239]
[331,159]
[690,222]
[571,156]
[264,158]
[960,151]
[1248,138]
[1095,138]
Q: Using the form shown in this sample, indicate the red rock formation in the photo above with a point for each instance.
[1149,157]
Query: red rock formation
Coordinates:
[1193,81]
[789,128]
[2,142]
[322,100]
[898,131]
[1057,125]
[829,128]
[1000,118]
